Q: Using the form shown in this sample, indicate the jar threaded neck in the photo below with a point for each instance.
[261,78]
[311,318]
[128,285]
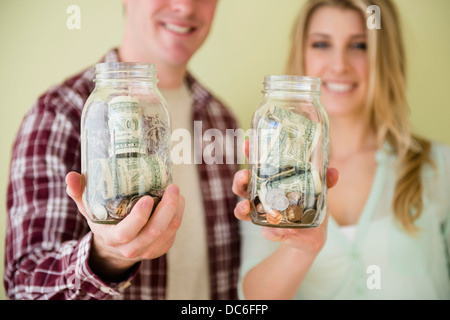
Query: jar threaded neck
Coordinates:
[118,71]
[292,83]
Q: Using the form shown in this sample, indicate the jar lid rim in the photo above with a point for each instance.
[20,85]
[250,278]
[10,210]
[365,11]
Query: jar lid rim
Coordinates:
[292,78]
[124,66]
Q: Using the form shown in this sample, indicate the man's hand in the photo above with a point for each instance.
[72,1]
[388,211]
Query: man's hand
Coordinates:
[116,248]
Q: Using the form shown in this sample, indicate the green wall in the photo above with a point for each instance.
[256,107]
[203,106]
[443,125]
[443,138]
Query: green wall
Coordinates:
[249,39]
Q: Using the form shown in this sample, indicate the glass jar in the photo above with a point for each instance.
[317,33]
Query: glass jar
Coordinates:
[125,141]
[288,155]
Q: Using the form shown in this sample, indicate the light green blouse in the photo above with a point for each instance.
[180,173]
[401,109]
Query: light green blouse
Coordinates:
[383,262]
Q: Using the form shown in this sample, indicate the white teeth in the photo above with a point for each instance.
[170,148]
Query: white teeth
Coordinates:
[177,29]
[339,87]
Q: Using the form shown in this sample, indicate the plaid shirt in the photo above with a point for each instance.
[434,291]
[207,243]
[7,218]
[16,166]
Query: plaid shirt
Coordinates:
[48,241]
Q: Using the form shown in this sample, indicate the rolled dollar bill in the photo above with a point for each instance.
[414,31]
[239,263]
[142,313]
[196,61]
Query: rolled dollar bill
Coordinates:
[286,138]
[125,126]
[306,183]
[121,177]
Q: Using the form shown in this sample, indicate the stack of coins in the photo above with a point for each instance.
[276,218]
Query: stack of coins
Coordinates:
[119,208]
[288,209]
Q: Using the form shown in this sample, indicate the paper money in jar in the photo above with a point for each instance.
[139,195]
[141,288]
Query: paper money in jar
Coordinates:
[125,140]
[117,183]
[289,156]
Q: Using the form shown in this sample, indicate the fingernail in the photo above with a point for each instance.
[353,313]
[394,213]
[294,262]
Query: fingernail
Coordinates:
[173,189]
[244,205]
[147,203]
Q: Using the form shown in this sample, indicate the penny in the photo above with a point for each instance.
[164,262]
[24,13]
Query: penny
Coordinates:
[308,216]
[260,208]
[117,208]
[294,197]
[274,217]
[294,213]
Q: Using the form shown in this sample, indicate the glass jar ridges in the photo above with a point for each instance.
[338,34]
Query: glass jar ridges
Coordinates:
[126,141]
[289,157]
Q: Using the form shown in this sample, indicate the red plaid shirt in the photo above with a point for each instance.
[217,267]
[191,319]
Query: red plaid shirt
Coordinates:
[48,241]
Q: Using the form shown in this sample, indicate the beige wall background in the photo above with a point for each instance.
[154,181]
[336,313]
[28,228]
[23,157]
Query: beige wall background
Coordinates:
[249,39]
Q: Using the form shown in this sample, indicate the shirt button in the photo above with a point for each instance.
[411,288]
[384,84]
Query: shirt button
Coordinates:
[125,285]
[105,289]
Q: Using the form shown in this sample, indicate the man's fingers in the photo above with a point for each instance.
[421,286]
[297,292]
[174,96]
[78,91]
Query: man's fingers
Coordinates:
[127,229]
[170,207]
[75,187]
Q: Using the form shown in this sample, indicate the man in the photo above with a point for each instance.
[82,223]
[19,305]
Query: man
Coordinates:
[53,252]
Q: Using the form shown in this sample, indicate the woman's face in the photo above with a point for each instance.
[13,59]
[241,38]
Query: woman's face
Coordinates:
[335,51]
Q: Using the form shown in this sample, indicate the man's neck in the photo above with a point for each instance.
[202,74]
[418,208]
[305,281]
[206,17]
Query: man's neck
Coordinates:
[170,77]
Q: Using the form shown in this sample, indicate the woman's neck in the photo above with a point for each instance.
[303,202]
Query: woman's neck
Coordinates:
[350,136]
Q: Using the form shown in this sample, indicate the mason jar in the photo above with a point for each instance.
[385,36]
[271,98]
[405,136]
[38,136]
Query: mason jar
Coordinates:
[125,141]
[288,155]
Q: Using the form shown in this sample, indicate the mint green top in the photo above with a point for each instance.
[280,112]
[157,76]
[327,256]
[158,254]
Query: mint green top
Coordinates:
[383,262]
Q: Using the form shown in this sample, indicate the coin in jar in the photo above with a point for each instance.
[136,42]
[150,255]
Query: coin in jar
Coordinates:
[308,216]
[280,203]
[320,202]
[294,197]
[120,211]
[274,217]
[272,194]
[309,201]
[135,199]
[294,213]
[132,202]
[99,212]
[113,206]
[276,199]
[260,208]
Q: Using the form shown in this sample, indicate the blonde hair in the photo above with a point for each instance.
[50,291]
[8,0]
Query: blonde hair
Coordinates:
[387,107]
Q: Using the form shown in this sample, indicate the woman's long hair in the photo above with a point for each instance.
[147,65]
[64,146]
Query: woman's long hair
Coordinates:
[387,107]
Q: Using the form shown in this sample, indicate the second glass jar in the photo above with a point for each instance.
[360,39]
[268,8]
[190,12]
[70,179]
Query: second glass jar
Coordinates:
[288,156]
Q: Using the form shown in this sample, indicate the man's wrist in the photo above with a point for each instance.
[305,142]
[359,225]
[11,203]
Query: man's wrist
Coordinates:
[107,264]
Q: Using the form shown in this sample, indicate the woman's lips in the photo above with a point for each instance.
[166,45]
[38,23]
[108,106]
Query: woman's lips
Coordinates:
[339,87]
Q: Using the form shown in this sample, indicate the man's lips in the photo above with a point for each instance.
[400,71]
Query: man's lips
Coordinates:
[178,29]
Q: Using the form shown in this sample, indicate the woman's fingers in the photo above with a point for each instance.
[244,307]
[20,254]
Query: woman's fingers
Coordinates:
[240,183]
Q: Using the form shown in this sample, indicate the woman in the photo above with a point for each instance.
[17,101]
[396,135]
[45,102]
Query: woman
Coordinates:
[388,229]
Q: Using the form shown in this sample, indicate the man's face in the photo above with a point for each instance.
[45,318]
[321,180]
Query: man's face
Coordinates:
[169,31]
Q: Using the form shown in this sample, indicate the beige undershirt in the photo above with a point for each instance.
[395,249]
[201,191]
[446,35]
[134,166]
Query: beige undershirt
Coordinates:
[188,276]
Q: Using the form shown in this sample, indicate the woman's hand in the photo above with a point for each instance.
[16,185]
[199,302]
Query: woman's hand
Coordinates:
[307,240]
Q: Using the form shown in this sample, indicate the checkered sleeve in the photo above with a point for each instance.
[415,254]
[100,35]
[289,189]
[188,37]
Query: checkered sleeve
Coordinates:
[48,240]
